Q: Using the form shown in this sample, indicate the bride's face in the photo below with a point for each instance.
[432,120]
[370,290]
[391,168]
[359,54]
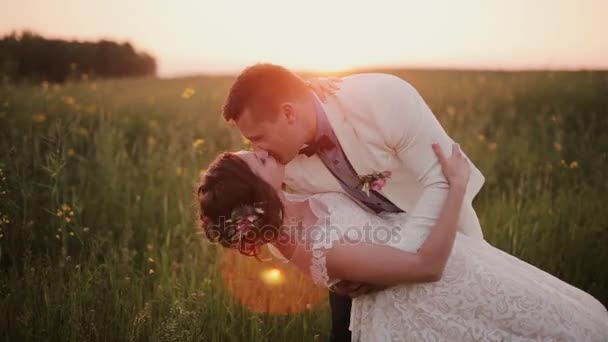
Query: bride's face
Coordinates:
[264,166]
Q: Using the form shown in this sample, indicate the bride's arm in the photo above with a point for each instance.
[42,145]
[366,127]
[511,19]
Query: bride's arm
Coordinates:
[385,265]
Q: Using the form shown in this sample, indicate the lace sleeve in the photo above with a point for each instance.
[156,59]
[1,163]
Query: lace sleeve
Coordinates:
[336,214]
[318,267]
[339,219]
[321,240]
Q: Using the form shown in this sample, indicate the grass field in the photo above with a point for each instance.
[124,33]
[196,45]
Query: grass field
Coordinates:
[97,233]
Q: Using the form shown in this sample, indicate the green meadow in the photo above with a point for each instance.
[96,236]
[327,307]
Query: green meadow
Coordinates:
[98,237]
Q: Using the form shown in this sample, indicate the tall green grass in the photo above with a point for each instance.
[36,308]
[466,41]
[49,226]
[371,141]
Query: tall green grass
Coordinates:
[98,238]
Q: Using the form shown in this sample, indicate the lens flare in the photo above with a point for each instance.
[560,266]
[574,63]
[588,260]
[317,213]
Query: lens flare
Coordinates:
[272,276]
[271,287]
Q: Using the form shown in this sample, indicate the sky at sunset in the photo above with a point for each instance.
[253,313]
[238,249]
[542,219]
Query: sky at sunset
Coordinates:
[225,36]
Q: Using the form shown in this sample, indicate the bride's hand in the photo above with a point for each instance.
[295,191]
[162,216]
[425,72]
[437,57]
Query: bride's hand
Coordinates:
[323,86]
[456,168]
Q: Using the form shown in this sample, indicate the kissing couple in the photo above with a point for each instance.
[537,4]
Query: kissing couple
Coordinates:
[333,160]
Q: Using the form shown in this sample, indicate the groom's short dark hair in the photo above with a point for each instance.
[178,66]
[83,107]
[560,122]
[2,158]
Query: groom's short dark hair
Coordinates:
[260,88]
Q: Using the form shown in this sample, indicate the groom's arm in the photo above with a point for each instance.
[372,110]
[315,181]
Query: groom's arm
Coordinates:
[409,128]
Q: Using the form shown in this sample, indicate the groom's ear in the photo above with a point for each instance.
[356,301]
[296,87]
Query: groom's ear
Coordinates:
[287,110]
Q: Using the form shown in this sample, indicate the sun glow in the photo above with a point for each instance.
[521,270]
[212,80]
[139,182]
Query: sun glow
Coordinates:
[272,276]
[272,286]
[225,36]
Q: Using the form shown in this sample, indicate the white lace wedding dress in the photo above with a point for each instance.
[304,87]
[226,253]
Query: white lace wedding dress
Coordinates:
[485,294]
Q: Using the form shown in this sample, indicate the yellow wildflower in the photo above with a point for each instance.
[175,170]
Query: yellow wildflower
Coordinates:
[246,142]
[69,100]
[40,117]
[66,212]
[151,271]
[188,93]
[71,152]
[71,233]
[179,171]
[150,260]
[574,164]
[198,144]
[83,131]
[557,146]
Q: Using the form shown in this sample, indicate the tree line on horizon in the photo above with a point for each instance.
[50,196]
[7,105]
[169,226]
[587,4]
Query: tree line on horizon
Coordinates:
[30,57]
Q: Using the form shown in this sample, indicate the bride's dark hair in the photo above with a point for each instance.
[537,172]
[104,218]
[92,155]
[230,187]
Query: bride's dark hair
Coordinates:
[231,197]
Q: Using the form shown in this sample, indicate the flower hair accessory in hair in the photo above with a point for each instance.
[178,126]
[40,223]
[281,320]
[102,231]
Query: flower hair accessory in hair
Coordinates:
[245,218]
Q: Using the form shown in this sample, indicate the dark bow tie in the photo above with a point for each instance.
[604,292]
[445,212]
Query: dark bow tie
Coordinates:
[323,143]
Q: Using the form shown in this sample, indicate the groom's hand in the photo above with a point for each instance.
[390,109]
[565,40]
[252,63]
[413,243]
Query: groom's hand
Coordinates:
[324,86]
[354,289]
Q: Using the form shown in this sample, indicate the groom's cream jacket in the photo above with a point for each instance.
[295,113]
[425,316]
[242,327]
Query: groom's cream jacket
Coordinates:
[382,123]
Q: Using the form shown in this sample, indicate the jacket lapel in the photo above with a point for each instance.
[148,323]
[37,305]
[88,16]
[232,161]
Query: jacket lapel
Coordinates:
[356,152]
[364,157]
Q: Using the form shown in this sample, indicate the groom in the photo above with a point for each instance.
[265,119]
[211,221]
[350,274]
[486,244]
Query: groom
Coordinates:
[374,123]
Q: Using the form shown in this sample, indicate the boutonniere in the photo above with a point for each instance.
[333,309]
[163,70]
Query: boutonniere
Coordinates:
[374,181]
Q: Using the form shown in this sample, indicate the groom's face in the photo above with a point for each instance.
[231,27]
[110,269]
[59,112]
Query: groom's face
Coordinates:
[279,136]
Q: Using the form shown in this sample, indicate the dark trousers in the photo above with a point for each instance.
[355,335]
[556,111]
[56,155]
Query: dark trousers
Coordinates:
[340,317]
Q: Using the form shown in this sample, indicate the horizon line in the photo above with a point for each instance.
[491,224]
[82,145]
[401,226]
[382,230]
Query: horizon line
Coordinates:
[372,68]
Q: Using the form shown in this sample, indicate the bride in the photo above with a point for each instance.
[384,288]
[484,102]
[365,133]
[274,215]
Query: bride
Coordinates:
[440,284]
